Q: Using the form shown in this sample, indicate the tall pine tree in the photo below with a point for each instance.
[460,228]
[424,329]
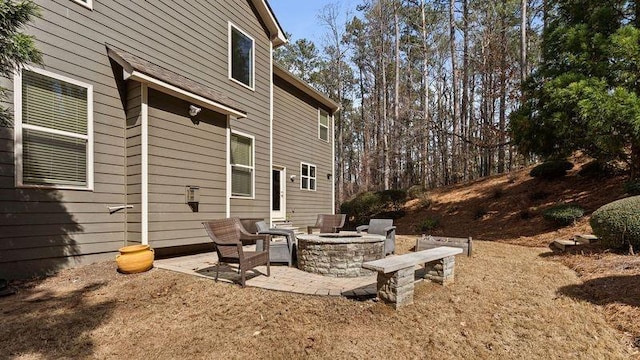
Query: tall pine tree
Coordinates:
[585,95]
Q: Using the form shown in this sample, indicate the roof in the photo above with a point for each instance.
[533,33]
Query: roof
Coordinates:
[278,36]
[304,87]
[167,81]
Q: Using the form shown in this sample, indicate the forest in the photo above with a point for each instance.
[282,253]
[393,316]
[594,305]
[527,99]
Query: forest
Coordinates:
[437,92]
[426,87]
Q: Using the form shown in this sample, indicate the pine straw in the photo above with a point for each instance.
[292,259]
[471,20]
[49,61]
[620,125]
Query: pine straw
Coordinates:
[507,302]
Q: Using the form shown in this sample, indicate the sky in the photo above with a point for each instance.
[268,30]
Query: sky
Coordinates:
[300,17]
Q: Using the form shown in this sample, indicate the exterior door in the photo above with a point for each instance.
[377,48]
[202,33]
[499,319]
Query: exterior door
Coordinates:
[278,200]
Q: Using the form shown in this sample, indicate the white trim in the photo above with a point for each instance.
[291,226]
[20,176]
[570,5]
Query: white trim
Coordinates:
[283,188]
[144,158]
[228,167]
[278,36]
[18,126]
[253,167]
[88,4]
[253,58]
[271,134]
[333,165]
[320,126]
[309,177]
[183,94]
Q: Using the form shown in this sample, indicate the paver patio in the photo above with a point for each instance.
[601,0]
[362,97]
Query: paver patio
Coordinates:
[283,278]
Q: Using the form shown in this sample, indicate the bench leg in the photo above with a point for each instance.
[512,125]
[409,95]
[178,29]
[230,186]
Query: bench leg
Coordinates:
[441,271]
[396,288]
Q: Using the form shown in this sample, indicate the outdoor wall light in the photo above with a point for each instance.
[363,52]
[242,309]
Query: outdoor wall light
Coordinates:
[194,110]
[292,178]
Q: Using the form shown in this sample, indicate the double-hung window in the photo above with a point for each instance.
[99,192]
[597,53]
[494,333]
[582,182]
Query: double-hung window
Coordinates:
[53,130]
[323,125]
[307,177]
[242,165]
[241,57]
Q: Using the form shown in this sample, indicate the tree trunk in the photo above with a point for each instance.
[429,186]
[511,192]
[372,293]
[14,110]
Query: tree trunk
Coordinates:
[454,89]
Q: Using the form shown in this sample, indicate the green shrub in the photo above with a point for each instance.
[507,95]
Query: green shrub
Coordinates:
[425,202]
[598,169]
[565,214]
[428,224]
[415,192]
[632,187]
[617,224]
[395,198]
[551,169]
[360,208]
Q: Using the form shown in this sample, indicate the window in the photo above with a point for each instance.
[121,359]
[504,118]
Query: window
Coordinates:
[241,57]
[87,3]
[242,165]
[53,130]
[307,177]
[323,125]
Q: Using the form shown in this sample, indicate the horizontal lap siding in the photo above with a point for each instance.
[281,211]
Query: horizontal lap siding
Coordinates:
[189,38]
[182,154]
[295,140]
[133,162]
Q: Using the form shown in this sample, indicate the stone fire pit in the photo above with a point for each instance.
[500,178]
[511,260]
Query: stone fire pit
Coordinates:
[339,255]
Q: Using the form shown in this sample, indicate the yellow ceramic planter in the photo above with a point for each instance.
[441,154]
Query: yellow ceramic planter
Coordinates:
[135,259]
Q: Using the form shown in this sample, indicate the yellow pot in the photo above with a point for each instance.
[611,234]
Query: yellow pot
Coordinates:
[135,259]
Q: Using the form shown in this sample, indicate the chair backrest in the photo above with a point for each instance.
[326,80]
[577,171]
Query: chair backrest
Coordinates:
[225,234]
[249,224]
[330,223]
[378,226]
[261,226]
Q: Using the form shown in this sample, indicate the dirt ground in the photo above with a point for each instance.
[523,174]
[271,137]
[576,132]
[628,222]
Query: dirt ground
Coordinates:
[508,302]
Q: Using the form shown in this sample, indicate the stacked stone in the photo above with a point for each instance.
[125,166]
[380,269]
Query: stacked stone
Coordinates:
[441,271]
[338,260]
[396,288]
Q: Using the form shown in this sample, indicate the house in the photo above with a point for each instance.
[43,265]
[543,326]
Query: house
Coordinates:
[149,117]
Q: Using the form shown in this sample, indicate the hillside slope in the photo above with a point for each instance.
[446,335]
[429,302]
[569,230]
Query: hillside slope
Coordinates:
[508,208]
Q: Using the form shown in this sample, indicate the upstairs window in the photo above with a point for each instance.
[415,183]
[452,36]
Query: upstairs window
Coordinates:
[242,168]
[307,177]
[53,129]
[241,57]
[323,125]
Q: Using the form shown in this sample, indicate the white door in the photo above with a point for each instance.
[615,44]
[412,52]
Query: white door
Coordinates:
[278,199]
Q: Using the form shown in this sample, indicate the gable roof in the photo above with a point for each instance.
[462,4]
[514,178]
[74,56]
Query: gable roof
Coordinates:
[278,37]
[305,88]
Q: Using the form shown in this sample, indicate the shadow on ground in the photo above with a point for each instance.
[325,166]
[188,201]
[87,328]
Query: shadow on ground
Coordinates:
[607,290]
[52,326]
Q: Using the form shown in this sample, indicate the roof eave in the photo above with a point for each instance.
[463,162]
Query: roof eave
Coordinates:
[306,88]
[278,36]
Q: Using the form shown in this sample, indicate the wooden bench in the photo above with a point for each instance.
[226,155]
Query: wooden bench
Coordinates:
[430,242]
[396,273]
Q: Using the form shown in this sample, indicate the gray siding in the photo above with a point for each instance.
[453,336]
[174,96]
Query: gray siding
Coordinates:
[295,140]
[40,228]
[182,154]
[133,162]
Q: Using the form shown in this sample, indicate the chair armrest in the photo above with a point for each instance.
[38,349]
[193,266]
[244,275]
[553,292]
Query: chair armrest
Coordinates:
[362,228]
[389,228]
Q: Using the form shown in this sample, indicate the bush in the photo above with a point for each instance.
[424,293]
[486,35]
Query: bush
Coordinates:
[427,224]
[565,214]
[360,208]
[551,169]
[632,187]
[415,192]
[395,197]
[598,169]
[617,224]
